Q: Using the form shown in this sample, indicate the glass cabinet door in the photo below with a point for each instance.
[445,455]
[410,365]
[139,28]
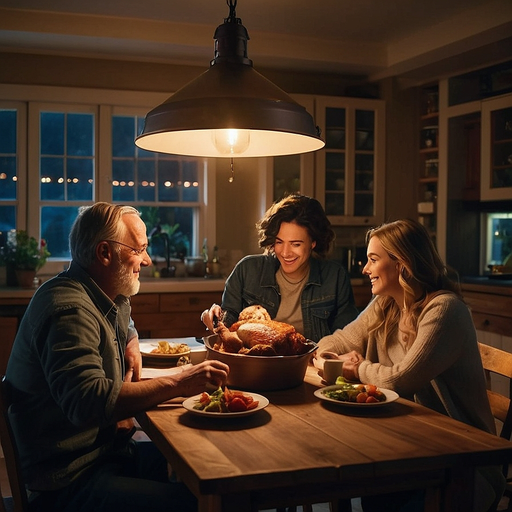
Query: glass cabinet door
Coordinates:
[350,169]
[497,149]
[364,168]
[335,156]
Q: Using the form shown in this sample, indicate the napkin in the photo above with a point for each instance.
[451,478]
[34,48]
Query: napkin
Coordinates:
[151,373]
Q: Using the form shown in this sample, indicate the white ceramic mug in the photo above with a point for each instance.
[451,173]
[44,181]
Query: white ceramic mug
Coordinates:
[333,368]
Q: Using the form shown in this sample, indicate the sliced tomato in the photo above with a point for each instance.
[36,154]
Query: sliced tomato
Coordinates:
[228,394]
[371,389]
[371,400]
[237,404]
[252,405]
[204,398]
[248,399]
[361,398]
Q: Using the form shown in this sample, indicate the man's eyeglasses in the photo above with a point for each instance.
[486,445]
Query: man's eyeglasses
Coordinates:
[137,252]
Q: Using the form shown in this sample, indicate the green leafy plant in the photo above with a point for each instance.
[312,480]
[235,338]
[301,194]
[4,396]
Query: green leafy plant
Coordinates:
[24,252]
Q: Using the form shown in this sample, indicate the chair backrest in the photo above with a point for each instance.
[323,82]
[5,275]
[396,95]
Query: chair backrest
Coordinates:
[499,362]
[10,450]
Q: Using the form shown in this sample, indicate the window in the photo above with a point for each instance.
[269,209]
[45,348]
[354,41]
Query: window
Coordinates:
[158,185]
[67,156]
[12,166]
[8,174]
[498,239]
[81,152]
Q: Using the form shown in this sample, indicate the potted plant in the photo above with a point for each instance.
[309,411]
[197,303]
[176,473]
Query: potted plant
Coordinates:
[25,255]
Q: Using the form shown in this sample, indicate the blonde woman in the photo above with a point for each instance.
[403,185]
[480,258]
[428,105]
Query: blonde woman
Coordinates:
[416,337]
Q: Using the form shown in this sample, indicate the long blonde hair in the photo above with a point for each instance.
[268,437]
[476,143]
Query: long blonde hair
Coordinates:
[422,273]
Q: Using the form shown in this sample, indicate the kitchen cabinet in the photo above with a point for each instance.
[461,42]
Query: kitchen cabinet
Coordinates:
[156,315]
[11,313]
[491,306]
[362,293]
[496,181]
[295,173]
[292,174]
[463,167]
[350,168]
[176,315]
[171,315]
[347,176]
[429,159]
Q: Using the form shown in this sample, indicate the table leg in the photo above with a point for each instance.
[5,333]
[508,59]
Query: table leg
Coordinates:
[457,494]
[227,503]
[209,503]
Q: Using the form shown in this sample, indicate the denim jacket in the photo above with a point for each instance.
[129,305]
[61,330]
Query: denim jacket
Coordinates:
[327,299]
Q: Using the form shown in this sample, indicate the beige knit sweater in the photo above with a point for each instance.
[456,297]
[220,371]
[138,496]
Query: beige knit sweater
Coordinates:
[441,370]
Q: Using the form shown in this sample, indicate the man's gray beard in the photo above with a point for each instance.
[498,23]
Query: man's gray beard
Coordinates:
[125,283]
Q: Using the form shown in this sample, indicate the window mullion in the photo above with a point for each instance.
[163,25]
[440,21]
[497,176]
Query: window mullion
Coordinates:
[33,192]
[103,184]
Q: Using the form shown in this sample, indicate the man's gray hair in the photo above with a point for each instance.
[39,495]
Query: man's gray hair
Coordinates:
[94,224]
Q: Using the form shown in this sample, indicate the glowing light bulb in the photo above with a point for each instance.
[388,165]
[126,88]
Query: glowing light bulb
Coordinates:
[230,141]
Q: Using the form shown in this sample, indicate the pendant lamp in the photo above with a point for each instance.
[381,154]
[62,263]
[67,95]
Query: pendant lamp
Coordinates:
[231,110]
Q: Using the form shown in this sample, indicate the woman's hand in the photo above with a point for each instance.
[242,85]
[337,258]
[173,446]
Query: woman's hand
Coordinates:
[350,368]
[208,316]
[352,356]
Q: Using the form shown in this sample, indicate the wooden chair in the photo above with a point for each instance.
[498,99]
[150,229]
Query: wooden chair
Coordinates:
[499,362]
[19,500]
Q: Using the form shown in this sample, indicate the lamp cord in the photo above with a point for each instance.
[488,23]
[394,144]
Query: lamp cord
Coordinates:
[232,9]
[232,177]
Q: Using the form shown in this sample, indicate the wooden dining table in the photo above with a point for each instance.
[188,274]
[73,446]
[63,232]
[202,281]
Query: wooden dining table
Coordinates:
[302,450]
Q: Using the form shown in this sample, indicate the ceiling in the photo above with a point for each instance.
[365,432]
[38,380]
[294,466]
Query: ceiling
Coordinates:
[370,38]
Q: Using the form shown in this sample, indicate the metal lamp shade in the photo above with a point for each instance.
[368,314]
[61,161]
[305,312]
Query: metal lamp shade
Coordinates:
[232,96]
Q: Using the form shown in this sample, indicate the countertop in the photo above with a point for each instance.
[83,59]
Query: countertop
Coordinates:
[487,285]
[161,285]
[147,285]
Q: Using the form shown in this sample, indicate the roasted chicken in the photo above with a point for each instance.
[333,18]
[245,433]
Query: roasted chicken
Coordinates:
[256,334]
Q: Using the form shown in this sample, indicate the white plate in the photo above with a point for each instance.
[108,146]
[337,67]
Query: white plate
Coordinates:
[189,404]
[146,348]
[391,396]
[164,356]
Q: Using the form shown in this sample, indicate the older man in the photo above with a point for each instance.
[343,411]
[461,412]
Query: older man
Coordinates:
[74,377]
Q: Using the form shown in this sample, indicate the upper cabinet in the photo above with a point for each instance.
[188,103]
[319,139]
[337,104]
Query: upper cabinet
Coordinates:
[347,176]
[496,164]
[291,174]
[350,169]
[429,159]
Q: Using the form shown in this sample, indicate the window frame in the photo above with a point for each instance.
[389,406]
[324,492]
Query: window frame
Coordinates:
[21,162]
[31,100]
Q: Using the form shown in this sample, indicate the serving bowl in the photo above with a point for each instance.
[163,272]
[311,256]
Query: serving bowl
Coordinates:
[261,373]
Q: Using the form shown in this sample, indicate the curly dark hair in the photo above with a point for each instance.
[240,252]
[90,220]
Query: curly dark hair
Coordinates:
[304,211]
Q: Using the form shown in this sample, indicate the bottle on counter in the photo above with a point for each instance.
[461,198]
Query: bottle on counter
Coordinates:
[215,265]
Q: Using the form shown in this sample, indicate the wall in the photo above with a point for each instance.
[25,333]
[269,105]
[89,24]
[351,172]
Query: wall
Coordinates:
[402,143]
[238,208]
[20,68]
[239,204]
